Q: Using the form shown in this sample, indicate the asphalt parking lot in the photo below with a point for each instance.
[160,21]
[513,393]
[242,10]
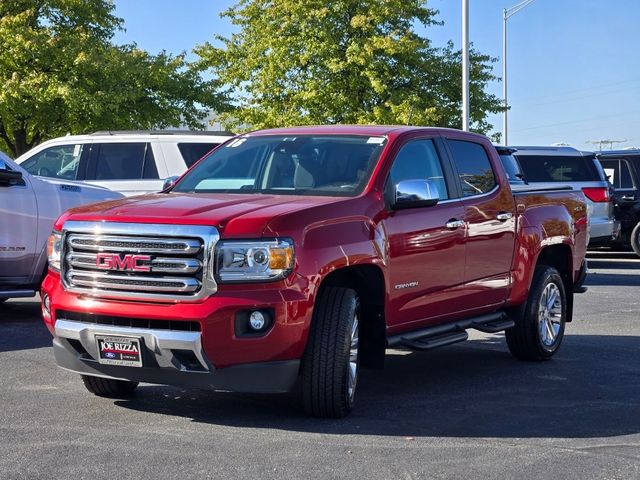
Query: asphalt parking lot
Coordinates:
[465,411]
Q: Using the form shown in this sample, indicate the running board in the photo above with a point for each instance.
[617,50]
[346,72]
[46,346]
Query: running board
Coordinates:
[441,335]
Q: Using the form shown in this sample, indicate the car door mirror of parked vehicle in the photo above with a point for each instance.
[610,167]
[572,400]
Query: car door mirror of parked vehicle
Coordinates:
[415,193]
[9,177]
[169,182]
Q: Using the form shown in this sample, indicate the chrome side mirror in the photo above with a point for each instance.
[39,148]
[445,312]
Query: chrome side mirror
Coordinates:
[169,182]
[415,193]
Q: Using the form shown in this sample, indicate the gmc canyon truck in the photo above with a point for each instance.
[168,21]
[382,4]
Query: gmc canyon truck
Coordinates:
[301,254]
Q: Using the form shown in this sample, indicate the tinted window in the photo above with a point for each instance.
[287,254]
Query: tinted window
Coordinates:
[618,173]
[56,162]
[150,171]
[192,152]
[120,161]
[337,165]
[418,160]
[474,167]
[543,168]
[512,168]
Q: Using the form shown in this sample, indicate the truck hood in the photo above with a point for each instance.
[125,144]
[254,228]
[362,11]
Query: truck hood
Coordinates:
[232,214]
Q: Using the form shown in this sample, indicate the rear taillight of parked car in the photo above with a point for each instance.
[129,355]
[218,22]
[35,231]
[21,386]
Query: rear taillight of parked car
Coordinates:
[597,194]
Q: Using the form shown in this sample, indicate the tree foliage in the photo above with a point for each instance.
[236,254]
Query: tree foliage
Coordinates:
[343,61]
[60,73]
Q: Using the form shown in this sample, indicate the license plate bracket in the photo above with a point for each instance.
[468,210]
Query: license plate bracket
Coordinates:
[118,350]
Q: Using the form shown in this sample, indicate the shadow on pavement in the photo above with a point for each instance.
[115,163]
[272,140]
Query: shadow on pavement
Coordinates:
[590,389]
[21,326]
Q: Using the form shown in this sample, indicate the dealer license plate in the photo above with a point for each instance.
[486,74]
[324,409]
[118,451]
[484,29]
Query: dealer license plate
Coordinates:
[123,351]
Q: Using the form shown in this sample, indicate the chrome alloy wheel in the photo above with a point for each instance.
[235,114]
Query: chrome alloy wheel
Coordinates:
[352,367]
[549,315]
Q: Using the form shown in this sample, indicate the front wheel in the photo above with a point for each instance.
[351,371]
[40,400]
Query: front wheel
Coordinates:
[635,239]
[539,331]
[108,387]
[331,359]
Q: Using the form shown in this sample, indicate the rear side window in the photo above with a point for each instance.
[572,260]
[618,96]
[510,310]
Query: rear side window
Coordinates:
[192,152]
[474,168]
[618,173]
[418,160]
[558,168]
[56,162]
[122,161]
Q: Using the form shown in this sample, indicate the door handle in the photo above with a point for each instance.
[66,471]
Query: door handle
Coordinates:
[504,216]
[454,224]
[629,198]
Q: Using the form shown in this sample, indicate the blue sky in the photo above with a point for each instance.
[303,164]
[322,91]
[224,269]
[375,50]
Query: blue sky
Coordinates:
[574,65]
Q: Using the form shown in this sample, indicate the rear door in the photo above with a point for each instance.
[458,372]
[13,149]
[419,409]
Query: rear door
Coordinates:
[128,167]
[620,172]
[489,214]
[426,258]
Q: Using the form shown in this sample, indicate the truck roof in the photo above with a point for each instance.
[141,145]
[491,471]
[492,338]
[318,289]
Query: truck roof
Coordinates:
[370,130]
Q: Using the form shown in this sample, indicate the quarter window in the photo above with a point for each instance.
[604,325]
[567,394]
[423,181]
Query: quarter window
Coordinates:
[474,168]
[418,160]
[192,152]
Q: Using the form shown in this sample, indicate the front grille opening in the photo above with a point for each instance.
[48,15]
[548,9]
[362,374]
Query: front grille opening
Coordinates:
[153,324]
[187,360]
[77,346]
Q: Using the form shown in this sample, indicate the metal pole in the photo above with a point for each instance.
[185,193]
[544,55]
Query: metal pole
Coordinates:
[505,134]
[465,65]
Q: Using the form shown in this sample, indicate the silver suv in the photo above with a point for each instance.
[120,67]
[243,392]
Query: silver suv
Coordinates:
[580,170]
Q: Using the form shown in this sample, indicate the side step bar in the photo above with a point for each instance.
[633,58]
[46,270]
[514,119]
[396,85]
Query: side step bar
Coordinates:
[441,335]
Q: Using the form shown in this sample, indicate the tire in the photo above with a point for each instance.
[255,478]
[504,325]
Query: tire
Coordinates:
[539,329]
[635,239]
[107,387]
[332,357]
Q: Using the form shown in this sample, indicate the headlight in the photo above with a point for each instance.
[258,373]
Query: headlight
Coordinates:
[54,248]
[250,261]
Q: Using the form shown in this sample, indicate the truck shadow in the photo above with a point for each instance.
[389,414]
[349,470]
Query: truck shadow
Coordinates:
[21,326]
[590,389]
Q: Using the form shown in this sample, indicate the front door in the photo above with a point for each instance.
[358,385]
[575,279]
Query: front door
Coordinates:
[18,230]
[426,258]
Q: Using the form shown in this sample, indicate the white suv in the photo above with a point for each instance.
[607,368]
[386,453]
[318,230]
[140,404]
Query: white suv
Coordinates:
[131,163]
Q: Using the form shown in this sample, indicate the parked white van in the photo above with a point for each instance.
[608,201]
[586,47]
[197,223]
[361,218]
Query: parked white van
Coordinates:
[131,163]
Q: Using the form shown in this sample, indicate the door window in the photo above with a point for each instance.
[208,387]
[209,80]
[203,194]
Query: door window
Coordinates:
[419,160]
[618,173]
[121,161]
[474,168]
[61,161]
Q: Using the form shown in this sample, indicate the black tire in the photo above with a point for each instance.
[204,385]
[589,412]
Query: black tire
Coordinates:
[635,239]
[107,387]
[328,359]
[528,340]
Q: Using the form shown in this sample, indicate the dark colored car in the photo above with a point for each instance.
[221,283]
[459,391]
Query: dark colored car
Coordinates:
[623,169]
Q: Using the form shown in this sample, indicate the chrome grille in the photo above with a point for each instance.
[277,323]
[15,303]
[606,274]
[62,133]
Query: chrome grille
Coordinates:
[170,263]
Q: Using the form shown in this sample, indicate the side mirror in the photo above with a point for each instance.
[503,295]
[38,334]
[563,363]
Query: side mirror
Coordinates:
[169,182]
[9,177]
[415,193]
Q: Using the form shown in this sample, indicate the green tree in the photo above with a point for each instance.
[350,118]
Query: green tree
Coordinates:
[60,73]
[343,61]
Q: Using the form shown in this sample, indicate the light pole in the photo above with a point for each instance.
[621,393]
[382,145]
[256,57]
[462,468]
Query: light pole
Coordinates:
[507,13]
[465,65]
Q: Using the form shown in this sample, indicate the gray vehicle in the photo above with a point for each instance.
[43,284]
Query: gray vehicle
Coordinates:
[581,171]
[28,207]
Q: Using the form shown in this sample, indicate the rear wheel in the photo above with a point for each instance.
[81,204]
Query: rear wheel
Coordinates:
[635,239]
[108,387]
[539,331]
[331,360]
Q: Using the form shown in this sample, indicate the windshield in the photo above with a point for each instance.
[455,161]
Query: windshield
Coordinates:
[333,165]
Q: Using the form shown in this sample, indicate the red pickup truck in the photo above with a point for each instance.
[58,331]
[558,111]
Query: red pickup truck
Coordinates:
[301,254]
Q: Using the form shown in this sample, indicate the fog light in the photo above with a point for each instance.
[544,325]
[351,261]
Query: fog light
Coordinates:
[46,305]
[257,320]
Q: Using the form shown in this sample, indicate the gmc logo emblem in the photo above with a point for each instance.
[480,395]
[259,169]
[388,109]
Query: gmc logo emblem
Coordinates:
[127,263]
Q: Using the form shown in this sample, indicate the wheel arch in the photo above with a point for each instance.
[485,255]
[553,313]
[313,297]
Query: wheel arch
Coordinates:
[560,257]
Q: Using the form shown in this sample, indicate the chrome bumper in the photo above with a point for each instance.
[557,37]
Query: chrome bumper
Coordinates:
[160,344]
